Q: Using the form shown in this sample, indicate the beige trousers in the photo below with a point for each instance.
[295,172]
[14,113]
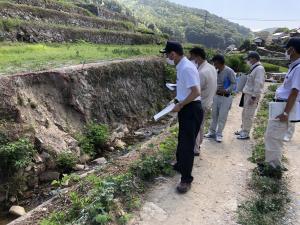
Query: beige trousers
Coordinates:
[274,143]
[200,136]
[248,114]
[291,131]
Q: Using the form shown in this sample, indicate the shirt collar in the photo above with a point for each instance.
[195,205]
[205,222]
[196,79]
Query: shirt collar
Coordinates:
[203,64]
[255,64]
[181,63]
[294,63]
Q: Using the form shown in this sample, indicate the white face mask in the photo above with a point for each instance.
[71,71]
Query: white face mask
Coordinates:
[249,63]
[170,62]
[287,56]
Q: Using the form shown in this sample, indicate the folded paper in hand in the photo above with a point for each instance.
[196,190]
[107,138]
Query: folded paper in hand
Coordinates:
[277,108]
[172,87]
[164,112]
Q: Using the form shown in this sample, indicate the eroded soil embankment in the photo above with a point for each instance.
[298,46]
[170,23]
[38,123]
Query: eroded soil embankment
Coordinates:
[50,107]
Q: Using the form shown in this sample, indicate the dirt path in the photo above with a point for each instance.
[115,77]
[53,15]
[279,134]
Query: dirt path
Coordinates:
[293,155]
[220,185]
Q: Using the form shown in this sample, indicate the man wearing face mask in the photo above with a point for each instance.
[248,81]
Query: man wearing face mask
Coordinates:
[252,93]
[190,113]
[208,79]
[222,100]
[289,92]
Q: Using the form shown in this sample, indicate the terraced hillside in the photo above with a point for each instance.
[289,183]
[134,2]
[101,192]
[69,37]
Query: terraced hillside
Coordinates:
[53,21]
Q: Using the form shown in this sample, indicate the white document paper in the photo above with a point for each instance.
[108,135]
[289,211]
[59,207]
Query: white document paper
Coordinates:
[164,112]
[172,87]
[277,108]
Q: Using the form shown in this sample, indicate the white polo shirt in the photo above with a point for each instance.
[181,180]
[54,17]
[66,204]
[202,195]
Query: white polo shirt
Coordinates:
[291,81]
[187,77]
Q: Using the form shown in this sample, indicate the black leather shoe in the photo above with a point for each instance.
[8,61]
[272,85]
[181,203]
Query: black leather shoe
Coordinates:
[183,188]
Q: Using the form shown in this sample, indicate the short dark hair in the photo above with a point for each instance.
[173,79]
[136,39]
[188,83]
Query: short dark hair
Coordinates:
[295,43]
[219,58]
[198,52]
[173,46]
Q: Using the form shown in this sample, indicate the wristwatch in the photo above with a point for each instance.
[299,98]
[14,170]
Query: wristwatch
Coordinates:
[285,113]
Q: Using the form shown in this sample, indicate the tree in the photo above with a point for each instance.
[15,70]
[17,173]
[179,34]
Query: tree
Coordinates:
[246,45]
[281,30]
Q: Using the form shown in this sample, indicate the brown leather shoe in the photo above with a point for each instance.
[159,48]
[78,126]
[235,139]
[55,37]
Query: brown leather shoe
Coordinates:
[183,188]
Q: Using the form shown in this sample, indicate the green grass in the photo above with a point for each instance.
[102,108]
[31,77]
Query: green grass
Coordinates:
[279,69]
[22,57]
[111,199]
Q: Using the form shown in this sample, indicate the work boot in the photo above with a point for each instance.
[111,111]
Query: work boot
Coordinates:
[197,152]
[286,138]
[238,133]
[210,135]
[243,136]
[219,138]
[266,170]
[183,188]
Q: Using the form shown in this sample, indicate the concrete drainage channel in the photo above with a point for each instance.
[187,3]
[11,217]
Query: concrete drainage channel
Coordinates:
[133,141]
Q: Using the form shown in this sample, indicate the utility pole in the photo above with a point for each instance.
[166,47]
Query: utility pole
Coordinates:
[205,21]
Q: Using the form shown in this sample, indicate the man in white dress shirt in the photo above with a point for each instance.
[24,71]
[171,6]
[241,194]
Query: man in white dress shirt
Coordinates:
[190,113]
[289,92]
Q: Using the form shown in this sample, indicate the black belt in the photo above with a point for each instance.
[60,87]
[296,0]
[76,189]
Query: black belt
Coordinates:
[224,95]
[176,101]
[279,100]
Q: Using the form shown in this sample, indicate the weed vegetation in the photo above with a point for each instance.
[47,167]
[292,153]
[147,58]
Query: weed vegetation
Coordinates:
[111,199]
[22,57]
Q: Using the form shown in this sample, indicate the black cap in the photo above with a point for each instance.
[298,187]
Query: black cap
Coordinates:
[295,43]
[253,55]
[172,46]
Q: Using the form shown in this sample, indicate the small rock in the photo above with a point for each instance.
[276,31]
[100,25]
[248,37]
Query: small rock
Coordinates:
[17,210]
[38,159]
[33,182]
[38,169]
[49,176]
[120,144]
[84,158]
[138,133]
[111,149]
[50,164]
[28,168]
[79,167]
[45,156]
[100,161]
[13,199]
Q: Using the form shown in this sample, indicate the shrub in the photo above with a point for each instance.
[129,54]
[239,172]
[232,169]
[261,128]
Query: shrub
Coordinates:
[237,63]
[170,73]
[127,51]
[15,155]
[66,161]
[271,68]
[98,134]
[95,137]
